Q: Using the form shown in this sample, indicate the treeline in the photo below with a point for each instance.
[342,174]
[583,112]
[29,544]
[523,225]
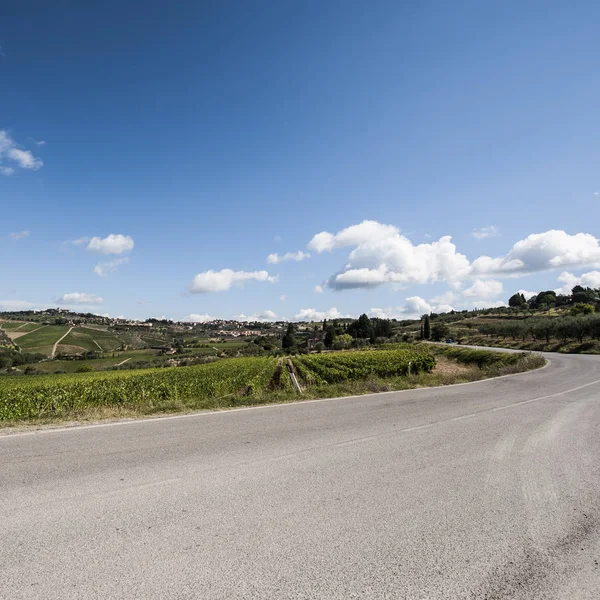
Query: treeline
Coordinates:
[10,357]
[337,335]
[550,299]
[576,328]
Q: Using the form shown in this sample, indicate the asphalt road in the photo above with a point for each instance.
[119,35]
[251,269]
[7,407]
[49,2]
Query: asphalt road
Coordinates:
[486,490]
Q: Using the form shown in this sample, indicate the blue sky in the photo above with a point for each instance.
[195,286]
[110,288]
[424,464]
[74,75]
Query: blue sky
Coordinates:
[213,134]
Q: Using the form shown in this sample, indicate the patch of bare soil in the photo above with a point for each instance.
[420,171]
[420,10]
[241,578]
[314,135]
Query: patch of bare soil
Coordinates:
[445,366]
[13,335]
[68,349]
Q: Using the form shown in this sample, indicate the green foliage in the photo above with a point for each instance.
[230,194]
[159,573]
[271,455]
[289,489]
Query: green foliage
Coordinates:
[362,328]
[582,309]
[35,396]
[561,328]
[289,339]
[87,368]
[426,328]
[581,295]
[517,301]
[329,336]
[10,357]
[439,331]
[342,342]
[344,366]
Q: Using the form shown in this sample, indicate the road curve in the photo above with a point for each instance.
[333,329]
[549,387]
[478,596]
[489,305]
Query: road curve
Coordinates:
[486,490]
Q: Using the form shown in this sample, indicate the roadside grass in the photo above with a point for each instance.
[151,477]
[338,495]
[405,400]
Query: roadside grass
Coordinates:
[448,371]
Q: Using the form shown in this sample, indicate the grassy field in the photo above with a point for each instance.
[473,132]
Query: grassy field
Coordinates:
[92,340]
[12,325]
[235,382]
[42,338]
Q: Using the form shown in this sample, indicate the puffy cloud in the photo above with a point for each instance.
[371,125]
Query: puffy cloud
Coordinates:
[194,318]
[542,251]
[311,314]
[485,232]
[19,157]
[265,315]
[115,243]
[18,235]
[103,268]
[294,256]
[319,289]
[221,281]
[484,289]
[354,235]
[79,298]
[381,255]
[590,279]
[414,307]
[392,258]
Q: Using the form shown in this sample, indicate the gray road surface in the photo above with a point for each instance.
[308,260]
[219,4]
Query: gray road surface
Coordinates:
[486,490]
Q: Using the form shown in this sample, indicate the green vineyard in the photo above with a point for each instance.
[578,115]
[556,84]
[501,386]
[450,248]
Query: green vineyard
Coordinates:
[228,382]
[26,397]
[318,369]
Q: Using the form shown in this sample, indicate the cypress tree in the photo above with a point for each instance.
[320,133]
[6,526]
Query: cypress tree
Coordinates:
[426,328]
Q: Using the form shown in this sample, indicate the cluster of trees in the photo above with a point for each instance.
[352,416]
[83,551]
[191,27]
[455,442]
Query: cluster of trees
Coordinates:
[436,333]
[572,327]
[337,335]
[549,299]
[10,357]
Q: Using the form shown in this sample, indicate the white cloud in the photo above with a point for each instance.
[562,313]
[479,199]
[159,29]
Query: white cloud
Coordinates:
[542,251]
[484,289]
[282,297]
[265,316]
[381,255]
[590,279]
[414,308]
[19,157]
[364,232]
[18,235]
[485,232]
[79,298]
[111,244]
[311,314]
[110,266]
[298,256]
[10,305]
[319,289]
[194,318]
[221,281]
[40,143]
